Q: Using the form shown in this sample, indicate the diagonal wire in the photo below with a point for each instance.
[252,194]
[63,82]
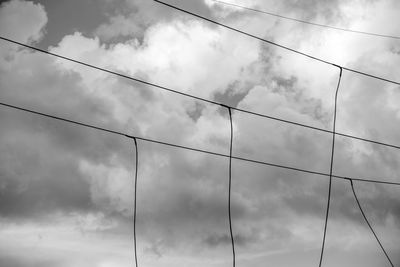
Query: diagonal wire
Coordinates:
[199,98]
[245,33]
[369,225]
[194,149]
[305,21]
[230,155]
[276,44]
[230,189]
[135,198]
[159,86]
[330,170]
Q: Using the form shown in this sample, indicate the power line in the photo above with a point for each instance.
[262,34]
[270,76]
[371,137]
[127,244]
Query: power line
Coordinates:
[230,189]
[205,100]
[369,225]
[159,86]
[368,140]
[192,149]
[195,149]
[276,44]
[330,170]
[307,22]
[231,133]
[135,199]
[199,98]
[245,33]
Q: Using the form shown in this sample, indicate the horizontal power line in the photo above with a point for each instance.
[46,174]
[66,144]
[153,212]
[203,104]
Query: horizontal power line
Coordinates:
[106,130]
[160,87]
[306,22]
[276,44]
[198,98]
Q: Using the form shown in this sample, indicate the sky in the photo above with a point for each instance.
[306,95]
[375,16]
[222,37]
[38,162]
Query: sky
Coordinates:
[67,192]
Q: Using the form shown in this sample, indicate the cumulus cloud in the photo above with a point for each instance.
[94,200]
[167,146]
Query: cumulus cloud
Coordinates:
[69,190]
[22,21]
[132,18]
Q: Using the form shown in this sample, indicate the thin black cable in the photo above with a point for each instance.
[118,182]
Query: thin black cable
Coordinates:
[368,140]
[244,33]
[330,170]
[199,98]
[230,189]
[307,22]
[109,71]
[135,199]
[280,120]
[369,225]
[368,180]
[371,75]
[63,119]
[194,149]
[160,87]
[275,44]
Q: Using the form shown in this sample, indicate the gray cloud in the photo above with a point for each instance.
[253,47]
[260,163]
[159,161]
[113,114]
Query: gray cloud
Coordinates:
[74,186]
[131,18]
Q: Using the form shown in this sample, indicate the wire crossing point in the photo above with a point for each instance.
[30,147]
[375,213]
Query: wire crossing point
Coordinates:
[101,129]
[199,98]
[276,44]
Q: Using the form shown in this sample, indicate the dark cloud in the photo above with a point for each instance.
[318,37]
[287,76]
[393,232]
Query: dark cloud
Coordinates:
[40,169]
[234,93]
[59,188]
[307,203]
[58,178]
[195,111]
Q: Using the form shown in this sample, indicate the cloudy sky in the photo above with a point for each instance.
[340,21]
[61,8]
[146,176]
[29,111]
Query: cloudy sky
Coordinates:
[66,192]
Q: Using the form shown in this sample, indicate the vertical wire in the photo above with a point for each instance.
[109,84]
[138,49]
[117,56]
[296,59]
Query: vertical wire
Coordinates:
[330,170]
[135,200]
[369,225]
[230,189]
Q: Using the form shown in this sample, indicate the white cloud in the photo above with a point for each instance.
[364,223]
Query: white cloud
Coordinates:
[182,208]
[22,21]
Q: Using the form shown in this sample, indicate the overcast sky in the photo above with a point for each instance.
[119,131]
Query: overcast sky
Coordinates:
[66,192]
